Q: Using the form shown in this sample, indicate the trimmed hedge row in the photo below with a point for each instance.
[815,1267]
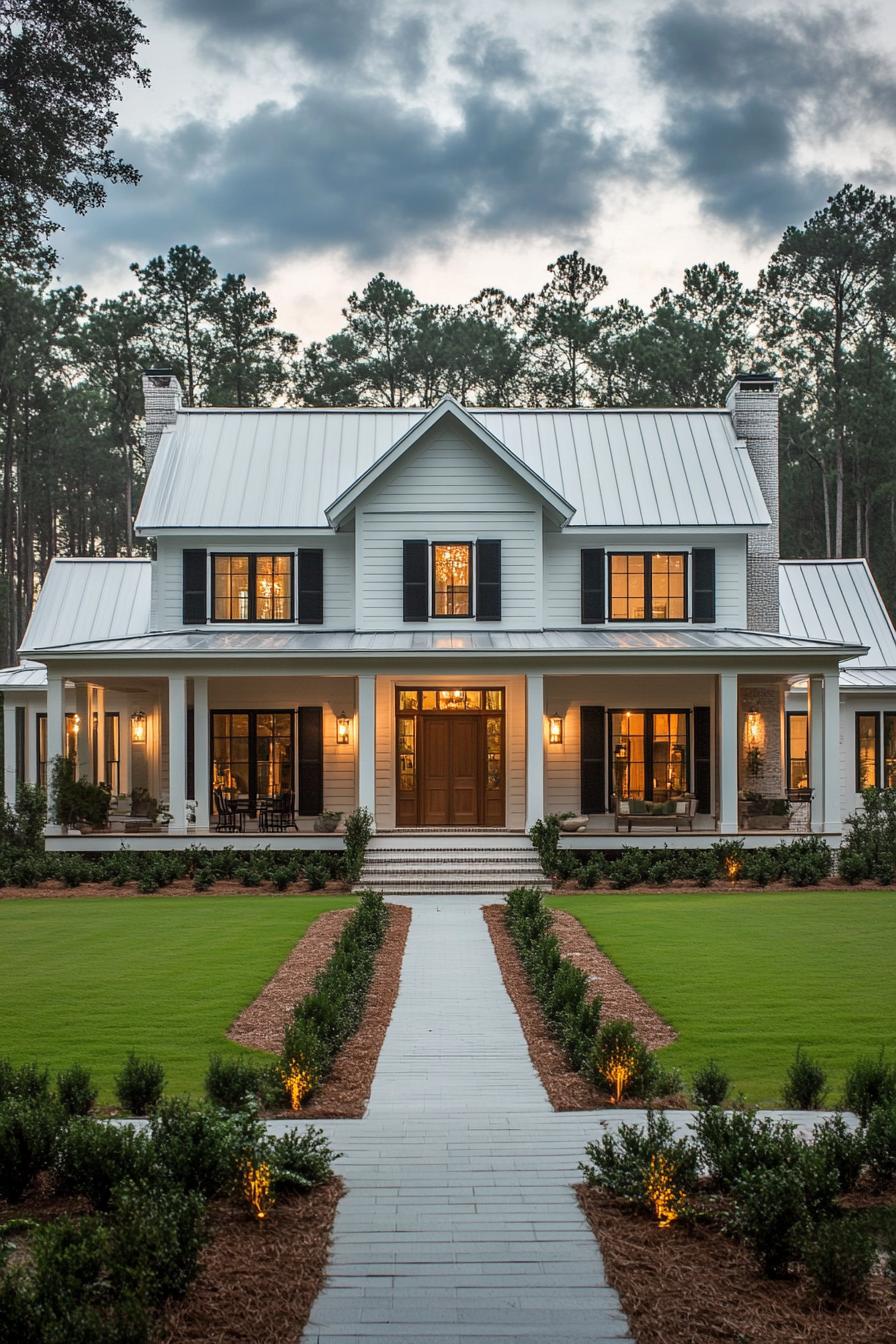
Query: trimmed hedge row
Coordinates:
[561,988]
[802,862]
[103,1277]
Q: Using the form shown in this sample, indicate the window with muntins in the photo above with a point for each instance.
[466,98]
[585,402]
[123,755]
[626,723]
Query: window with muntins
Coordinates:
[867,751]
[452,570]
[252,587]
[648,586]
[797,750]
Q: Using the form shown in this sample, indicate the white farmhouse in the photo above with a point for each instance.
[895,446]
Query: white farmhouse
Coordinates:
[462,619]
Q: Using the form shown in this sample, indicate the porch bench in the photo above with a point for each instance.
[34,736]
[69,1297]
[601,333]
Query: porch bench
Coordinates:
[681,818]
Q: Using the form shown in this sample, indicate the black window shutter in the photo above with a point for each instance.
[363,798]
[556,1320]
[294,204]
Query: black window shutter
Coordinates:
[195,571]
[702,758]
[310,588]
[594,603]
[703,567]
[592,755]
[20,746]
[488,580]
[311,762]
[415,566]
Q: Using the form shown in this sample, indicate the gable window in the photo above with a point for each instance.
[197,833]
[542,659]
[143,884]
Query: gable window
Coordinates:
[797,749]
[252,587]
[452,568]
[648,586]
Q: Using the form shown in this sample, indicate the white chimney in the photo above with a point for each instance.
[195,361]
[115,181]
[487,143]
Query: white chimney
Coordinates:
[162,396]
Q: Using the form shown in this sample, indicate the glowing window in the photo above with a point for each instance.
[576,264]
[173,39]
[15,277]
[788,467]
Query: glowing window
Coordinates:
[452,566]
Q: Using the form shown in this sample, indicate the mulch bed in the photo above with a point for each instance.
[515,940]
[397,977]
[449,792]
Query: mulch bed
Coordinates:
[345,1093]
[263,1023]
[690,1284]
[566,1089]
[257,1281]
[833,883]
[182,887]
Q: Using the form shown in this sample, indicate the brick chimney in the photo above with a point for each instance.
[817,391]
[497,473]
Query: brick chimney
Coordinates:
[753,403]
[162,396]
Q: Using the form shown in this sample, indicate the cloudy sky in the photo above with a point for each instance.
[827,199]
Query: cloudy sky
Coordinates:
[462,143]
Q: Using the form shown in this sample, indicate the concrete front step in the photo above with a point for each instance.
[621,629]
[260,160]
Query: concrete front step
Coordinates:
[436,863]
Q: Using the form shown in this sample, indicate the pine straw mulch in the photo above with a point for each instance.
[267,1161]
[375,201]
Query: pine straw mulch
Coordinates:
[257,1281]
[566,1089]
[53,889]
[345,1093]
[690,1284]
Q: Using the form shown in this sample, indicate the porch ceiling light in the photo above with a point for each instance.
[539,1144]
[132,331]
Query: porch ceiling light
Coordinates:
[555,730]
[343,725]
[138,727]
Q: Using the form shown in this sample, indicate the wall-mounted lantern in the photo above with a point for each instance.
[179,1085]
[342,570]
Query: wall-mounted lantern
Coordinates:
[138,727]
[555,730]
[343,729]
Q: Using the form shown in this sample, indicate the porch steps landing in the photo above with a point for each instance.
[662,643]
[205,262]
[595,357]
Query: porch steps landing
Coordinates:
[472,863]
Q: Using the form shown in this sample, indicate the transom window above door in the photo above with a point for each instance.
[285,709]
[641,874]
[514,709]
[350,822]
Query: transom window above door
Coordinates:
[648,586]
[252,587]
[452,569]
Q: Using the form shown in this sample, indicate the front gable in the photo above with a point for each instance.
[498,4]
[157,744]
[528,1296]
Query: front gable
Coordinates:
[449,416]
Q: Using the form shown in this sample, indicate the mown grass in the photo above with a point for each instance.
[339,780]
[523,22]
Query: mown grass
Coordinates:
[88,980]
[746,977]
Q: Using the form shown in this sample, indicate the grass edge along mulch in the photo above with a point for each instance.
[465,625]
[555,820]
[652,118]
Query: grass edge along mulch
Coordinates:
[566,1089]
[257,1281]
[693,1285]
[345,1092]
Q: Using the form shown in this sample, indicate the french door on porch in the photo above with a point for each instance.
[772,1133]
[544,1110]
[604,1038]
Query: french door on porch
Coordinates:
[450,757]
[649,753]
[253,754]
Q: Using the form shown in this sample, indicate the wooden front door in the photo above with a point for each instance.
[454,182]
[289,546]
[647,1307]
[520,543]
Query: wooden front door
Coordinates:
[450,767]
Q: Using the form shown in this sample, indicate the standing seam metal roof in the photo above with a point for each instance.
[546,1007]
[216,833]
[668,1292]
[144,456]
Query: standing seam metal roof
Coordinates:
[837,600]
[90,599]
[219,468]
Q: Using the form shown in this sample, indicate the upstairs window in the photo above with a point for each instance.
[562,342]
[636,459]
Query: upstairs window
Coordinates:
[648,587]
[452,569]
[252,587]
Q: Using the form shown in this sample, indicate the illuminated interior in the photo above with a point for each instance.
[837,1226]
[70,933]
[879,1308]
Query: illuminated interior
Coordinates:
[451,566]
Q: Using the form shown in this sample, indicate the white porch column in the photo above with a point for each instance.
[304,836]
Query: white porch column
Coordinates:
[727,737]
[201,772]
[833,821]
[816,751]
[534,748]
[55,738]
[100,710]
[367,743]
[9,751]
[84,709]
[177,752]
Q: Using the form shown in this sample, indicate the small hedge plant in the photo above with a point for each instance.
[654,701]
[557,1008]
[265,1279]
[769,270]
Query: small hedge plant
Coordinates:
[140,1084]
[806,1083]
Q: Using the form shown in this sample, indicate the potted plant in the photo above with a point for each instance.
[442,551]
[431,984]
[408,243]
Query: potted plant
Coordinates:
[78,804]
[327,821]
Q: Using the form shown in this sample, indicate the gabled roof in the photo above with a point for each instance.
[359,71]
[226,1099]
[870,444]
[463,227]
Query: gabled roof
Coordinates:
[556,505]
[89,599]
[271,469]
[839,600]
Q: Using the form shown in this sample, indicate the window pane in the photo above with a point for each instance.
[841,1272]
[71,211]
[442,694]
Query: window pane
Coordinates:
[627,587]
[407,755]
[494,739]
[451,579]
[667,588]
[628,755]
[473,699]
[798,751]
[408,699]
[494,699]
[890,751]
[231,587]
[273,584]
[670,756]
[455,699]
[866,751]
[429,699]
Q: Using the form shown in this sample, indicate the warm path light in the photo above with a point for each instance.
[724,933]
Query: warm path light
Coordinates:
[662,1194]
[257,1188]
[297,1083]
[617,1072]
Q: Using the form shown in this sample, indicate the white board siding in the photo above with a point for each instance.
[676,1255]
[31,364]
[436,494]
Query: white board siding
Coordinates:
[514,743]
[339,575]
[448,488]
[566,695]
[563,576]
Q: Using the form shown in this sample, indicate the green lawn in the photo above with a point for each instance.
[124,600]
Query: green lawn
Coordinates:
[88,980]
[744,978]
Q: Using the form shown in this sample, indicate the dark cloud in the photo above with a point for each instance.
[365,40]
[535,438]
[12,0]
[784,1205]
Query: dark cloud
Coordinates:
[746,92]
[362,172]
[329,32]
[485,55]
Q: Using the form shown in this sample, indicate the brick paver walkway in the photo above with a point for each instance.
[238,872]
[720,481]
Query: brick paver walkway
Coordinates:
[459,1222]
